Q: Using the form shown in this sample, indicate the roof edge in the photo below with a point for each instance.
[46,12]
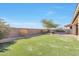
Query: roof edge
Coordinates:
[75,13]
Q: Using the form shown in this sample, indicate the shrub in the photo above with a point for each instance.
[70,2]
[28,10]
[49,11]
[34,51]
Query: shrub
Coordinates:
[23,32]
[1,35]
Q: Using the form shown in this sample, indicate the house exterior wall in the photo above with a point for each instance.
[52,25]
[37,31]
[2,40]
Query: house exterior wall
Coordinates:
[78,29]
[75,23]
[73,29]
[78,24]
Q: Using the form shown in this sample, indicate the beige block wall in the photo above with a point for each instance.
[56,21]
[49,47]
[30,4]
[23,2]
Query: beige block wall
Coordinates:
[34,31]
[15,32]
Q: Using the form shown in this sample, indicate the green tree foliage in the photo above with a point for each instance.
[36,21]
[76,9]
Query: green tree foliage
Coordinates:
[4,29]
[49,23]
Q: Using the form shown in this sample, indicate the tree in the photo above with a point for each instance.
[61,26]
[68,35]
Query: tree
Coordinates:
[4,29]
[49,24]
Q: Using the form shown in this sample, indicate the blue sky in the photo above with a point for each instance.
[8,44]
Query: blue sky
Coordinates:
[31,15]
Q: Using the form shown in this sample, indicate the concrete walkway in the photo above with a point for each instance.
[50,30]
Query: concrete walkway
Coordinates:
[70,35]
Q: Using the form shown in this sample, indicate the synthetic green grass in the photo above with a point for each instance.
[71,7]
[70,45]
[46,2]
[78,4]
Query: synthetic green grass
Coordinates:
[44,45]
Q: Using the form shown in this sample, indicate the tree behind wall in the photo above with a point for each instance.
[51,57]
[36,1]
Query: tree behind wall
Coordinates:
[4,29]
[49,24]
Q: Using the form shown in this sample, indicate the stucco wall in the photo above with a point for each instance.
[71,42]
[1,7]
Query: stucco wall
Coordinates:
[73,29]
[78,29]
[78,24]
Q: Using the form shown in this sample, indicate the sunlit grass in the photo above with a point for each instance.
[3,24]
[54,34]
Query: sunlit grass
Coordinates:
[44,45]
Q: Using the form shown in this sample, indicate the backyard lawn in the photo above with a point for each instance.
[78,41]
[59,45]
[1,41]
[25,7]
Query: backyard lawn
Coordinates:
[44,45]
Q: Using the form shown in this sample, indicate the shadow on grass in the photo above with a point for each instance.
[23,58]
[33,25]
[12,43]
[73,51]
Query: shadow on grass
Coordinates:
[4,46]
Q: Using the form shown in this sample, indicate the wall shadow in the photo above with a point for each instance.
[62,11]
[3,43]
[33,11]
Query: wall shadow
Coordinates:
[32,35]
[4,46]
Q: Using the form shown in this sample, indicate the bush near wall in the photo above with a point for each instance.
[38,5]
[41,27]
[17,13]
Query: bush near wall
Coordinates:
[2,35]
[45,31]
[23,32]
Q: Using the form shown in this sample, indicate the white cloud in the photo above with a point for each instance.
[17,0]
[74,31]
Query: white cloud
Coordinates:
[49,13]
[3,18]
